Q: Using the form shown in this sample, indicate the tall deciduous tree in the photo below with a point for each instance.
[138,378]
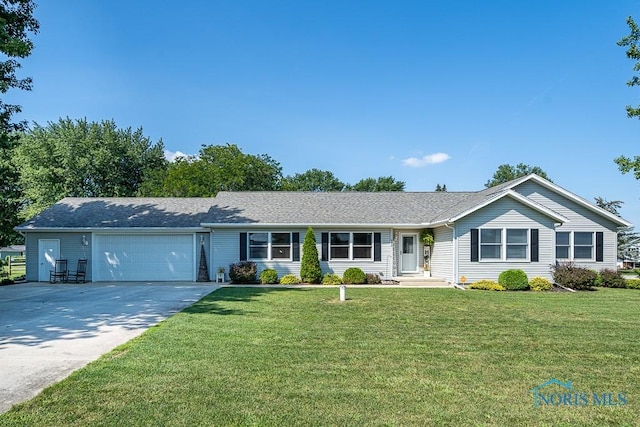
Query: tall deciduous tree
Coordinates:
[221,168]
[312,180]
[507,172]
[16,22]
[83,159]
[383,183]
[628,164]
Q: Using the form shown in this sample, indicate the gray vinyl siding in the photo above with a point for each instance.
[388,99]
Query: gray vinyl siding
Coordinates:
[505,213]
[442,254]
[580,219]
[71,249]
[226,251]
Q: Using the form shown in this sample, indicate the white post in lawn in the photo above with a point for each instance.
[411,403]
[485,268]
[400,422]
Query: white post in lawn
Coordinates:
[343,293]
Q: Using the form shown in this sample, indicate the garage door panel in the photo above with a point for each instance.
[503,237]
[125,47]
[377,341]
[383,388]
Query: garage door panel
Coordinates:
[144,257]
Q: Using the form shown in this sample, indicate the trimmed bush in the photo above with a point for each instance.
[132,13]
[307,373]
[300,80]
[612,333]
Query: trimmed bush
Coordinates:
[486,285]
[571,276]
[331,279]
[514,280]
[354,276]
[269,276]
[373,279]
[633,284]
[289,279]
[243,272]
[540,284]
[611,279]
[310,271]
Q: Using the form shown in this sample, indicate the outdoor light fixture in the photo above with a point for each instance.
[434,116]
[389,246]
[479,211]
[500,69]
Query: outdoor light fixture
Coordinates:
[85,242]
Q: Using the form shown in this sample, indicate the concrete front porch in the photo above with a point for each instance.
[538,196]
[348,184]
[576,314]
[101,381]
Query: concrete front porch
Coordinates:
[420,280]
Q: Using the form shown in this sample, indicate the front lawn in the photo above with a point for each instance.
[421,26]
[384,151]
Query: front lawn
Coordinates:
[283,357]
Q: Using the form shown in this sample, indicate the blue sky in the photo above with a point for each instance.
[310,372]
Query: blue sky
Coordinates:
[426,91]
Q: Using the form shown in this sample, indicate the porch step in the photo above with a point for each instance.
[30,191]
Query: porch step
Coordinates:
[431,282]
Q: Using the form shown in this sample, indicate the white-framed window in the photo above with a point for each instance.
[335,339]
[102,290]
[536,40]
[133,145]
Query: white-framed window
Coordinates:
[563,244]
[269,245]
[491,243]
[582,245]
[344,245]
[499,244]
[575,245]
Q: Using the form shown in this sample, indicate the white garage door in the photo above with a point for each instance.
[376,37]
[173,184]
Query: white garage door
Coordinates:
[144,257]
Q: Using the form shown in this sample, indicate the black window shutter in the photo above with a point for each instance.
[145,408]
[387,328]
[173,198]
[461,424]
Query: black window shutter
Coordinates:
[243,246]
[599,246]
[474,245]
[295,239]
[325,247]
[377,247]
[534,245]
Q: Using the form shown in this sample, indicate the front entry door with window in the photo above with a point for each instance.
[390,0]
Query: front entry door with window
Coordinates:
[48,253]
[409,253]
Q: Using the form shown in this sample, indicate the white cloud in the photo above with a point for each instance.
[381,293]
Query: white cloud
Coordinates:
[430,159]
[172,156]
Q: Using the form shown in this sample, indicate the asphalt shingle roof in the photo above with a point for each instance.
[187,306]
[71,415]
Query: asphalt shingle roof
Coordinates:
[123,212]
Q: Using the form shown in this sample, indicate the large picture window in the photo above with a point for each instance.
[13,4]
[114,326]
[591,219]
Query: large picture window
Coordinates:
[350,246]
[267,246]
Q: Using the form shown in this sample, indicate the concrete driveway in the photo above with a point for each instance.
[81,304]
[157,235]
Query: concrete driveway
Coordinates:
[48,331]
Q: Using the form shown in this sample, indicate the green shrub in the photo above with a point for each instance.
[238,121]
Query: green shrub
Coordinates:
[373,279]
[331,279]
[611,279]
[243,272]
[289,279]
[633,284]
[354,276]
[310,271]
[486,285]
[569,275]
[540,284]
[269,276]
[514,280]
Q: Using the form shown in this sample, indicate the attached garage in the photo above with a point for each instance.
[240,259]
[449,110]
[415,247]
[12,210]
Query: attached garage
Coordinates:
[144,257]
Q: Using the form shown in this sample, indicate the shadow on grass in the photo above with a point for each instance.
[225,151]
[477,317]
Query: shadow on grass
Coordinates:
[211,303]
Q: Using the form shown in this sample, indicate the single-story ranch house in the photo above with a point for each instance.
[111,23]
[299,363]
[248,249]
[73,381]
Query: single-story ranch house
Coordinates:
[528,223]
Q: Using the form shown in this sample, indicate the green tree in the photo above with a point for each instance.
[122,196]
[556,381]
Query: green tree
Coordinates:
[221,168]
[442,187]
[628,164]
[312,180]
[16,22]
[508,172]
[383,183]
[83,159]
[310,271]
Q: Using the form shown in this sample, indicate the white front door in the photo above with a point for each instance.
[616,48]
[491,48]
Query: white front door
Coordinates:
[409,253]
[48,253]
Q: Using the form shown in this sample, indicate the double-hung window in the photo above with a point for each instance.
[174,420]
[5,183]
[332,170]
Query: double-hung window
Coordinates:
[563,244]
[350,246]
[517,243]
[582,245]
[491,243]
[269,246]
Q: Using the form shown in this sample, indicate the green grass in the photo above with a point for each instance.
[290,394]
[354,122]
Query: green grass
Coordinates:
[283,357]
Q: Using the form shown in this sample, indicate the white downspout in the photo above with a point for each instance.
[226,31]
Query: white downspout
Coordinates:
[455,252]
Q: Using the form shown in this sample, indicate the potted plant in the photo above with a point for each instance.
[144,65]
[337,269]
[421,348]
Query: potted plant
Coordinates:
[426,237]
